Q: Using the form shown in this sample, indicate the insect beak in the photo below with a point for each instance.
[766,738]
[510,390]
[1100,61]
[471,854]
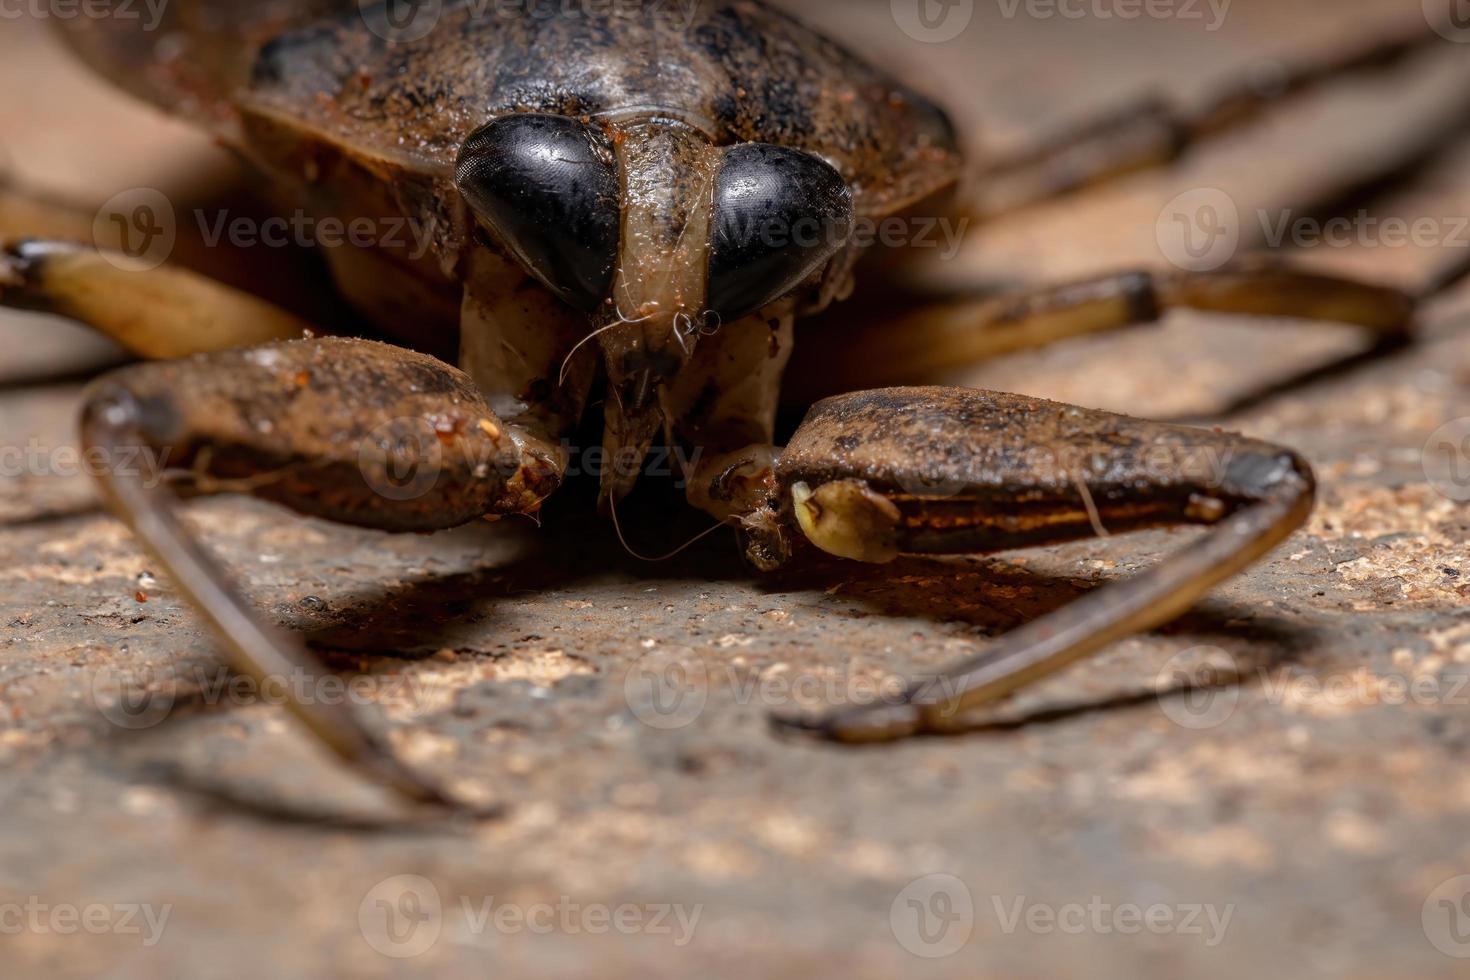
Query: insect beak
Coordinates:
[659,291]
[640,358]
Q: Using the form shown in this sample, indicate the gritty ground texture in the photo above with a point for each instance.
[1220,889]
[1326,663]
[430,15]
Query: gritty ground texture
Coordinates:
[1301,813]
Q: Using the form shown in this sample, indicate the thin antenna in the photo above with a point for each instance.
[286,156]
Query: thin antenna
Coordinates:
[612,506]
[1092,512]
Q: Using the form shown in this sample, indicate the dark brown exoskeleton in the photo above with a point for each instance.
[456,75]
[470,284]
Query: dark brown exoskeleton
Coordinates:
[643,197]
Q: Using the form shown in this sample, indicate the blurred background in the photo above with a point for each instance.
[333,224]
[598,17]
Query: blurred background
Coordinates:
[1331,832]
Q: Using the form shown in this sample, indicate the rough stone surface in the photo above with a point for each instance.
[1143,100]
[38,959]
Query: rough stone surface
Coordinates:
[1319,802]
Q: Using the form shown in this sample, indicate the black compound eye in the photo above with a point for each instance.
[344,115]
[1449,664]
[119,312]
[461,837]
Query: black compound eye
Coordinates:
[780,215]
[548,187]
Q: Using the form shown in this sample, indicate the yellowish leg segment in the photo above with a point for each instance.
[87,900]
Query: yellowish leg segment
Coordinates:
[945,337]
[158,313]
